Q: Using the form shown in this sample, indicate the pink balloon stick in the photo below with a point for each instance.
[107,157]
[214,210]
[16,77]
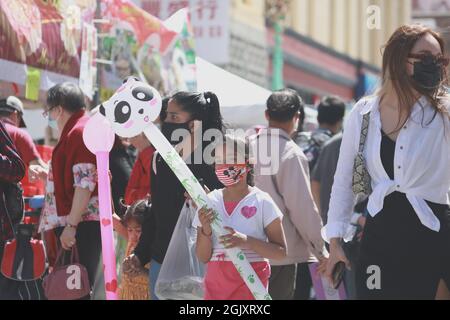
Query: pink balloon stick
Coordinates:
[106,225]
[99,139]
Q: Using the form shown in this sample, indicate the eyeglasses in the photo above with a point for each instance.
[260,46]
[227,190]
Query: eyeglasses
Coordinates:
[429,59]
[47,111]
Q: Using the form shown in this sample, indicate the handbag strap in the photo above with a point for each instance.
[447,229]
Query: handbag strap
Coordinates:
[74,257]
[58,257]
[364,131]
[8,217]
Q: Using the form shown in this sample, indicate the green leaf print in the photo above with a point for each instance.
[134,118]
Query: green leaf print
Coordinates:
[200,201]
[241,256]
[187,185]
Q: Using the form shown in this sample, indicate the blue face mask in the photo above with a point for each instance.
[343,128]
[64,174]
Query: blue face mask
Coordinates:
[52,123]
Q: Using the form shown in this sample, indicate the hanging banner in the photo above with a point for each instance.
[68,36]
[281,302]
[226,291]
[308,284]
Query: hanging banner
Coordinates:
[88,69]
[139,44]
[44,35]
[33,83]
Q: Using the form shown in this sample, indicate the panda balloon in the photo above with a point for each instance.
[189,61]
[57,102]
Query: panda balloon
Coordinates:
[132,108]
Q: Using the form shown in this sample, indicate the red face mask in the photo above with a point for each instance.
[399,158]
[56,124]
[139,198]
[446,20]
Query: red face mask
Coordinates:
[230,174]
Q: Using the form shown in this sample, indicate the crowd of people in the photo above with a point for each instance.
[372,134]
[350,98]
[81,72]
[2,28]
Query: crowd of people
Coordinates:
[300,208]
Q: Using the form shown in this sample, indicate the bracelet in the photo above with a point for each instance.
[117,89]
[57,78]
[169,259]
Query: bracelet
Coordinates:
[71,226]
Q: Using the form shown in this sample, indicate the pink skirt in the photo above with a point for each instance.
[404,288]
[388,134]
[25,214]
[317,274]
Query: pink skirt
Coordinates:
[223,282]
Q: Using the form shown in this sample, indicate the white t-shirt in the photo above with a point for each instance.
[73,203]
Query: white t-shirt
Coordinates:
[251,216]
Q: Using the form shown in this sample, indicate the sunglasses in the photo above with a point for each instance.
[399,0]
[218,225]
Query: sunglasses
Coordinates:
[429,59]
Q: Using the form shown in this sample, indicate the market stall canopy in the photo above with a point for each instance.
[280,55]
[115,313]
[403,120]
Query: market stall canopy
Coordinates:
[243,103]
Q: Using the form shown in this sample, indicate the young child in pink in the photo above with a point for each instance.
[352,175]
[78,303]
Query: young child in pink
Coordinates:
[252,219]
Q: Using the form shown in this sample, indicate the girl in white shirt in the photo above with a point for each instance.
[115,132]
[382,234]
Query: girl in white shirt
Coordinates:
[405,249]
[252,219]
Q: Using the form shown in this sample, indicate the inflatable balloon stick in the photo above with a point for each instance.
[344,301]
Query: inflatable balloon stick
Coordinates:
[131,111]
[99,139]
[132,108]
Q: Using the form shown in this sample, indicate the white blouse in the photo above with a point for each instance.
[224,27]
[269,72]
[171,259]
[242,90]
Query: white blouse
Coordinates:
[421,166]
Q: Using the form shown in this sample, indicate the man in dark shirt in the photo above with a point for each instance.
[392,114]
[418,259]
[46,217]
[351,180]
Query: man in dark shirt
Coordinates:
[323,174]
[331,111]
[12,170]
[11,113]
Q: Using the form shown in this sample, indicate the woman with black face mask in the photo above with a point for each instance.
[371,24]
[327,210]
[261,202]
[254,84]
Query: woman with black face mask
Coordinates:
[186,113]
[405,248]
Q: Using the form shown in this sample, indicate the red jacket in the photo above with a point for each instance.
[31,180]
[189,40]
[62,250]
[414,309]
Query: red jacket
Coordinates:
[139,184]
[69,151]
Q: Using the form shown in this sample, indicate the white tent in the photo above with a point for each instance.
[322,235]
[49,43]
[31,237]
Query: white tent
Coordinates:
[243,102]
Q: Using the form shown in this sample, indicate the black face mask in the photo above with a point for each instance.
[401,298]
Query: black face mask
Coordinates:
[428,75]
[168,129]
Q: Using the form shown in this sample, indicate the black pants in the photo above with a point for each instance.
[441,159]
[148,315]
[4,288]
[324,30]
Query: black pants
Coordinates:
[400,258]
[88,239]
[282,282]
[303,283]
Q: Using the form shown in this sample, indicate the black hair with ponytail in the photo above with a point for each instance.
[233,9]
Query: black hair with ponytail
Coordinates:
[204,107]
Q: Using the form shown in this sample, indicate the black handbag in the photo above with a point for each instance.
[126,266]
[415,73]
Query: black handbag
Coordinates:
[13,195]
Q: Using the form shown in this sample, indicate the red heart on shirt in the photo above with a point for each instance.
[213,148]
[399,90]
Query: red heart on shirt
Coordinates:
[111,286]
[106,222]
[248,212]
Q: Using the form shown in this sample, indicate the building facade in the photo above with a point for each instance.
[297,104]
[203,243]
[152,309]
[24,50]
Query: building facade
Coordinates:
[357,28]
[248,41]
[329,46]
[334,46]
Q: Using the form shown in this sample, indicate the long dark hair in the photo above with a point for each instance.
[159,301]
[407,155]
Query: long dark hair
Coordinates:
[394,73]
[204,107]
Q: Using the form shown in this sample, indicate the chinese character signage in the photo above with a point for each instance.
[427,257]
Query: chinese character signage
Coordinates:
[210,21]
